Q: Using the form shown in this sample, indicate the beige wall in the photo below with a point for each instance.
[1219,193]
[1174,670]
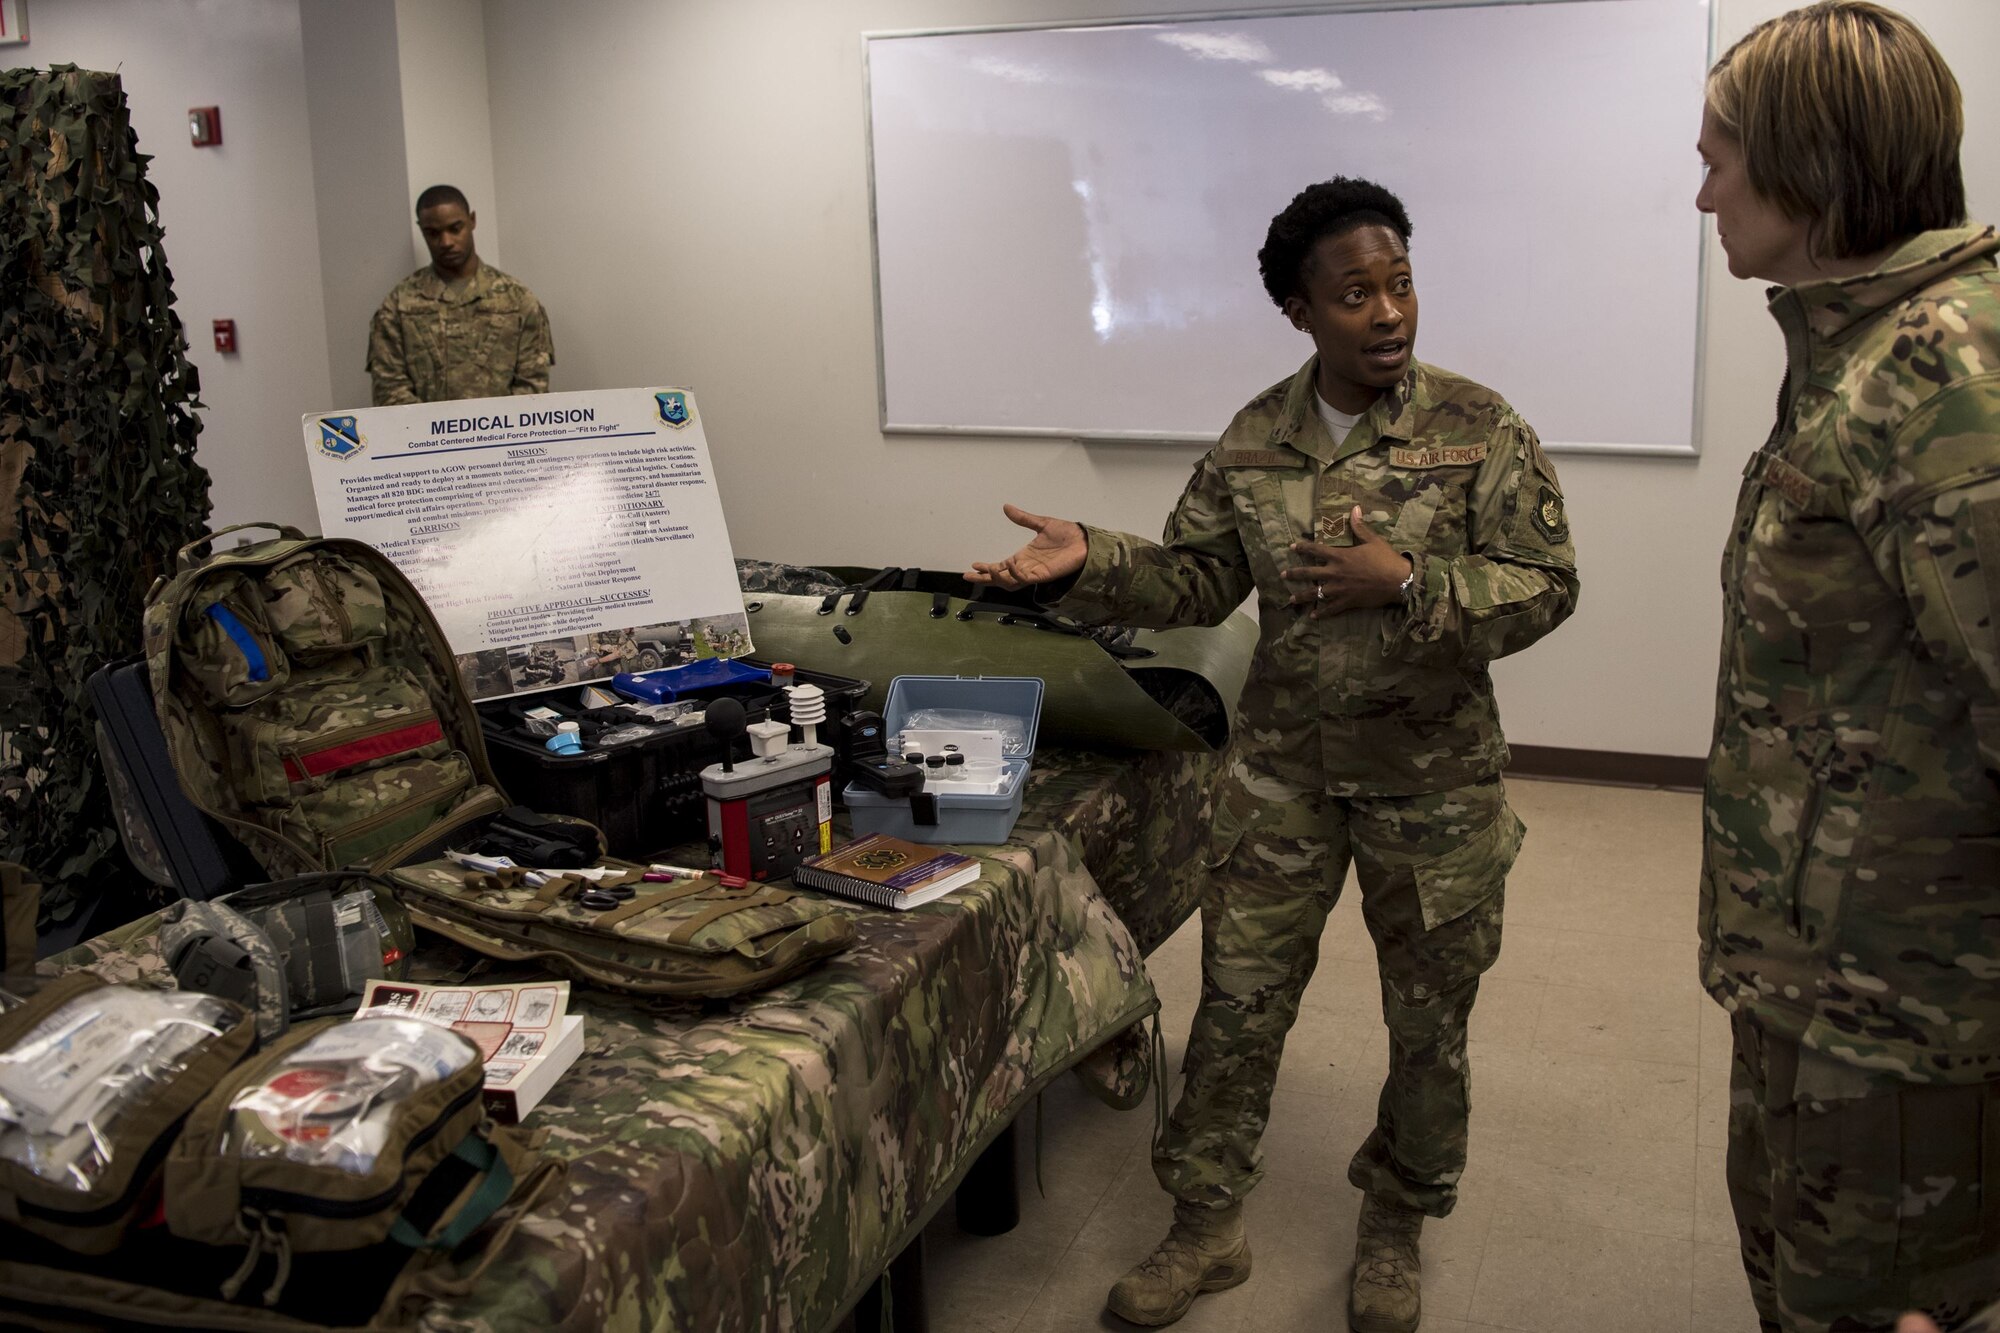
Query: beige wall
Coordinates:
[360,184]
[242,235]
[448,136]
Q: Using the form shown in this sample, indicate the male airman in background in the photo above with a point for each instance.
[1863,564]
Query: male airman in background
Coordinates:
[458,328]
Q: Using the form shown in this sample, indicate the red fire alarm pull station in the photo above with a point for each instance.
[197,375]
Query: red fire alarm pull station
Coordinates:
[225,335]
[205,125]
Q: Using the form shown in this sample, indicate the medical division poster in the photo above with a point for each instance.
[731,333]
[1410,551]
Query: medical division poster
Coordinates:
[558,538]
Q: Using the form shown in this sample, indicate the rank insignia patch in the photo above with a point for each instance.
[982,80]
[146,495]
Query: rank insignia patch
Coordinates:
[1549,515]
[674,408]
[340,437]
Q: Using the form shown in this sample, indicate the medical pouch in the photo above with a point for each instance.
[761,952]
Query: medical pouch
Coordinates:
[339,1136]
[312,706]
[293,948]
[95,1082]
[693,937]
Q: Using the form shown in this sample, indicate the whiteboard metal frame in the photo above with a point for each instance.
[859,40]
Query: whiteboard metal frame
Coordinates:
[1690,450]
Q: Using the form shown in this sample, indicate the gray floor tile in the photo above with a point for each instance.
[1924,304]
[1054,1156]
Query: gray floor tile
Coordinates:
[1300,1142]
[1640,968]
[1133,1214]
[1621,1024]
[1712,1127]
[1714,1219]
[1574,893]
[1585,1096]
[1583,1280]
[983,1284]
[1507,1013]
[1527,953]
[1550,1179]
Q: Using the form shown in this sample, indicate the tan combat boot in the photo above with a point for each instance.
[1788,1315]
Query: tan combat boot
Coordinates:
[1385,1297]
[1205,1251]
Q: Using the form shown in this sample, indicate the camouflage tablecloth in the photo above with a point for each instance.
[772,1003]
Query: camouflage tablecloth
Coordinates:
[1141,821]
[754,1164]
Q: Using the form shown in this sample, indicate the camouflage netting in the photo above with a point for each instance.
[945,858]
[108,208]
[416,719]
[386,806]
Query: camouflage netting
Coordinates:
[98,482]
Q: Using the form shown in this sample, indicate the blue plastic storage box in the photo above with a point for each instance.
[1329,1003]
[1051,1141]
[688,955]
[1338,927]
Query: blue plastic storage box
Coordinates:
[978,818]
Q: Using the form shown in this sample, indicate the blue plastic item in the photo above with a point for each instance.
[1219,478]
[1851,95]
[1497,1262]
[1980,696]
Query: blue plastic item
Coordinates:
[970,818]
[565,742]
[244,639]
[669,683]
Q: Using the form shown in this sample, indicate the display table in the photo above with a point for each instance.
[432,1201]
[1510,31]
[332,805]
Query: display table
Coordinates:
[757,1164]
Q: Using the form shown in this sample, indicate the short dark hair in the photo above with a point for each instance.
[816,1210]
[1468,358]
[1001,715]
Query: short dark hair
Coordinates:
[1327,209]
[1850,122]
[442,194]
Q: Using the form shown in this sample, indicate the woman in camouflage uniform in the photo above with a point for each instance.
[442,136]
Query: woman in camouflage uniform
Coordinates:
[1850,908]
[1401,528]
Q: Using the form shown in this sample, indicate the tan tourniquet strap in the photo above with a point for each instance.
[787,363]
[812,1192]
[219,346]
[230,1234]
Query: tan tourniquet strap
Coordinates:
[685,932]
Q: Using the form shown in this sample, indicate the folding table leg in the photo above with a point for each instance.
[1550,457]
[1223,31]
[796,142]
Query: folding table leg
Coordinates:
[989,1198]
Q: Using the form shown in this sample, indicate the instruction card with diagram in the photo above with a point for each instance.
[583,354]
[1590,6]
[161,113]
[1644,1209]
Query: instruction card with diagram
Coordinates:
[558,538]
[524,1031]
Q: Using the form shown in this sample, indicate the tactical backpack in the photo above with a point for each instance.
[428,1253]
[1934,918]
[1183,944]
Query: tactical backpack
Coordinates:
[312,706]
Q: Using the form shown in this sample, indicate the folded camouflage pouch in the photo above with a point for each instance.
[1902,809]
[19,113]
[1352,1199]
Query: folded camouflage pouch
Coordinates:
[1144,689]
[95,1081]
[294,948]
[341,1136]
[690,938]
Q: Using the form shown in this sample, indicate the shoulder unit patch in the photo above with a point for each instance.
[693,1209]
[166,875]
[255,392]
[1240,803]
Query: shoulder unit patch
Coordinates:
[1549,515]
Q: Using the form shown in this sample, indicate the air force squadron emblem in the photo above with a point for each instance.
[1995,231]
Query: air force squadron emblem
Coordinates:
[340,437]
[674,408]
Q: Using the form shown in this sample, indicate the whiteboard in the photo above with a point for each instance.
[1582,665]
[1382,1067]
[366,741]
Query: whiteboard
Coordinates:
[1067,219]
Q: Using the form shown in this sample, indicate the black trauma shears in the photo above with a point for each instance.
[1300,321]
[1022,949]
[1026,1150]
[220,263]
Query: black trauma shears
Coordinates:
[600,898]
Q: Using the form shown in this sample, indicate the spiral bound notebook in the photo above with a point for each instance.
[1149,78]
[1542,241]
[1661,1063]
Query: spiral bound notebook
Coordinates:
[886,872]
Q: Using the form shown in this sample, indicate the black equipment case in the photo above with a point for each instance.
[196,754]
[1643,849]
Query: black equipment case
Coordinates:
[169,841]
[645,795]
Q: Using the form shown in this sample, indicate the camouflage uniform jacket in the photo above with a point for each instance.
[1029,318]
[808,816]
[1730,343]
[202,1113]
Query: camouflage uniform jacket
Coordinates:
[429,344]
[1388,701]
[1851,857]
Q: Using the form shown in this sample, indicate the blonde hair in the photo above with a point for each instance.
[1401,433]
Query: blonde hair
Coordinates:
[1849,121]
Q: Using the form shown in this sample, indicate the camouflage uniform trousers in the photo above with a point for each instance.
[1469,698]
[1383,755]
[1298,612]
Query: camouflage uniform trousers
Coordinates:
[1432,869]
[1857,1197]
